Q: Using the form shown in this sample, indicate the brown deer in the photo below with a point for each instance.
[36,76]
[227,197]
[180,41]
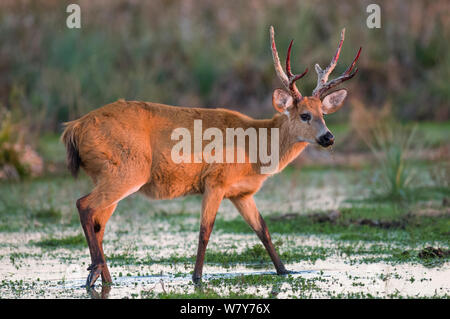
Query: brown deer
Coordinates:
[125,147]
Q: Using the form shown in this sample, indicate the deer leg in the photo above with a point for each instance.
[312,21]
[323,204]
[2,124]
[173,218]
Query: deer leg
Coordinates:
[94,210]
[210,205]
[99,228]
[87,222]
[247,208]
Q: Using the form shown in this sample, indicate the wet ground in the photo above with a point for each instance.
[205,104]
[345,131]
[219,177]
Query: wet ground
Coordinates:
[150,245]
[60,273]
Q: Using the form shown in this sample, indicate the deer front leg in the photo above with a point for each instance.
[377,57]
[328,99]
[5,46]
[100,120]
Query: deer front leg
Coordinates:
[210,204]
[247,208]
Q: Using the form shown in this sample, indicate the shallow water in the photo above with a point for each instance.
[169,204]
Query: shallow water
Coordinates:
[331,277]
[61,273]
[143,232]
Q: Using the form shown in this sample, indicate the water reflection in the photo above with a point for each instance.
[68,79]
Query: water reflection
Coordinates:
[161,283]
[104,293]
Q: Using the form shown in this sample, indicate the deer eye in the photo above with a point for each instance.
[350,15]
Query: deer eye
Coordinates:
[305,117]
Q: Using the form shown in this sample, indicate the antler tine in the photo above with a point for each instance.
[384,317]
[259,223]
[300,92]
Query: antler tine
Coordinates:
[323,85]
[347,75]
[327,86]
[322,75]
[276,61]
[294,78]
[350,68]
[288,60]
[289,79]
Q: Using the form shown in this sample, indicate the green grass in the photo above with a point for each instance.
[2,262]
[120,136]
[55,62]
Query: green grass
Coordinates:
[64,242]
[199,294]
[409,195]
[406,230]
[255,255]
[251,256]
[434,133]
[48,214]
[298,283]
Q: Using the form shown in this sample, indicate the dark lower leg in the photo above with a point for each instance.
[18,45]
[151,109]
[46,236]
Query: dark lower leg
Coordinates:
[247,208]
[264,236]
[210,205]
[205,232]
[99,231]
[97,258]
[99,228]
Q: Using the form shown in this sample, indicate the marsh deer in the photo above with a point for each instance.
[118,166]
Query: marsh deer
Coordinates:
[126,146]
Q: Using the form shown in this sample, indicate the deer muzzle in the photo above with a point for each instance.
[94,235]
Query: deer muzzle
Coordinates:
[326,139]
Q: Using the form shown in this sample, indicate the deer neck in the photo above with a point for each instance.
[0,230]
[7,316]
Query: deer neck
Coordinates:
[289,148]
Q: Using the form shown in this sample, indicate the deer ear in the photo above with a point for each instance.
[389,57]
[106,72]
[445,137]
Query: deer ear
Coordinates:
[333,101]
[281,100]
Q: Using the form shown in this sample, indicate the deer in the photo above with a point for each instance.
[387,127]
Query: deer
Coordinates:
[125,147]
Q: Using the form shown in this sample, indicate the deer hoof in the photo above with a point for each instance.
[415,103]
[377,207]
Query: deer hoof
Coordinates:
[96,271]
[196,279]
[284,271]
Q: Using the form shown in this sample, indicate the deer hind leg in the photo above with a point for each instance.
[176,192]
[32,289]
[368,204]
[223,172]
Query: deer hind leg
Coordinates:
[210,204]
[99,230]
[95,209]
[247,208]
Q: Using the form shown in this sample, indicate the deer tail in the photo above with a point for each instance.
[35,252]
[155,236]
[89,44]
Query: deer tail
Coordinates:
[70,138]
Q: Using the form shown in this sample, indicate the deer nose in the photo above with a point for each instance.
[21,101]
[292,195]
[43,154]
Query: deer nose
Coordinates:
[326,140]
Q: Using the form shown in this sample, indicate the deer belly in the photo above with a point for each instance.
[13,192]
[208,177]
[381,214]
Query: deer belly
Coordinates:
[244,187]
[164,190]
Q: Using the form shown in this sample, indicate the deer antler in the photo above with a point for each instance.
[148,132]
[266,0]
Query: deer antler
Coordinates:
[289,79]
[322,75]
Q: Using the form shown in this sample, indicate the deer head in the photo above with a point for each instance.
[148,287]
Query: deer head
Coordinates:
[305,114]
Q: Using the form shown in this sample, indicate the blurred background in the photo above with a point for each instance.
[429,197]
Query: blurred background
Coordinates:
[217,54]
